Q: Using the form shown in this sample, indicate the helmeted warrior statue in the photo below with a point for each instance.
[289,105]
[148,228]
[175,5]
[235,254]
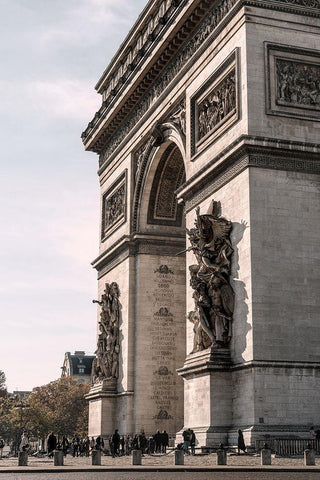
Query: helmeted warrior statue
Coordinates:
[209,278]
[105,365]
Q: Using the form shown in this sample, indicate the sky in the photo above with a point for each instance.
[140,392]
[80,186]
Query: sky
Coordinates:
[52,53]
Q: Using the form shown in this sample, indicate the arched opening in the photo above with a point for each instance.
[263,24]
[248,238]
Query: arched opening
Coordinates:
[160,331]
[169,176]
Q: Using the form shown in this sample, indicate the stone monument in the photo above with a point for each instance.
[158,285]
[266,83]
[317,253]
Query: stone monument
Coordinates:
[208,144]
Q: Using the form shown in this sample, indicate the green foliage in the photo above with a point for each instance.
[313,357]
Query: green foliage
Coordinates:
[59,406]
[3,388]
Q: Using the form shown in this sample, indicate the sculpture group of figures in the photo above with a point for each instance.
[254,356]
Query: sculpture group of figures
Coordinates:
[220,102]
[209,278]
[298,83]
[115,206]
[105,365]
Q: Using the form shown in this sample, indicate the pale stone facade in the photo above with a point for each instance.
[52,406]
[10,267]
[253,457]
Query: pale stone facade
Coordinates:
[212,99]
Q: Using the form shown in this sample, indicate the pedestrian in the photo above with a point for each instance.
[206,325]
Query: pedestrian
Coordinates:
[164,441]
[186,440]
[1,446]
[241,444]
[51,444]
[193,442]
[86,443]
[116,443]
[99,443]
[65,445]
[24,443]
[313,434]
[157,441]
[143,442]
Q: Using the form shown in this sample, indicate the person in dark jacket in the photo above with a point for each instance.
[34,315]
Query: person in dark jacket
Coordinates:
[51,444]
[241,444]
[116,443]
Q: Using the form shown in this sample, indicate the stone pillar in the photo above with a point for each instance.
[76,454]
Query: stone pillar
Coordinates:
[23,459]
[221,456]
[58,458]
[266,456]
[179,457]
[96,457]
[136,457]
[309,457]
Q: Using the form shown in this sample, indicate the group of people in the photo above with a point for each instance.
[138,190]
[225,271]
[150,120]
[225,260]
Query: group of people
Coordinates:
[123,445]
[77,446]
[189,441]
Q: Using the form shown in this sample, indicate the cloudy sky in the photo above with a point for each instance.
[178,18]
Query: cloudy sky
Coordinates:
[52,54]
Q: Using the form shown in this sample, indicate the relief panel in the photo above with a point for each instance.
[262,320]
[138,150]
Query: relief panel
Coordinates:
[215,106]
[114,203]
[292,82]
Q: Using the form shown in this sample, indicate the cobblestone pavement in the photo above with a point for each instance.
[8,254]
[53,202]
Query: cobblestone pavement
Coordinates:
[162,476]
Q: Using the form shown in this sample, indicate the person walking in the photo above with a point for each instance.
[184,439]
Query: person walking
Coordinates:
[51,444]
[192,442]
[116,443]
[1,446]
[186,441]
[241,444]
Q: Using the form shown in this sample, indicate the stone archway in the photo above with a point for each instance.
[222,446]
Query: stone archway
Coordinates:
[160,291]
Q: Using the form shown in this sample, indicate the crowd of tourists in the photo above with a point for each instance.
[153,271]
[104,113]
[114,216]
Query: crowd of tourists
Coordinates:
[116,445]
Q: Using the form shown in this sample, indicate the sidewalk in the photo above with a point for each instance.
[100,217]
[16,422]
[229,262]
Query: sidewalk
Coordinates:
[164,463]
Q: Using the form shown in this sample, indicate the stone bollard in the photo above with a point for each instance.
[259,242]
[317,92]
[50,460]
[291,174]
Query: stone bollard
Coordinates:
[309,457]
[58,458]
[179,457]
[136,457]
[266,456]
[96,457]
[23,459]
[221,456]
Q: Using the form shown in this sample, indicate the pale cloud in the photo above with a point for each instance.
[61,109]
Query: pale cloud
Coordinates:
[63,98]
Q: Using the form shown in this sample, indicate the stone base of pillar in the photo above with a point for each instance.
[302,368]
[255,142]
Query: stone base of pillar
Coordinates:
[58,458]
[136,457]
[179,457]
[22,459]
[309,457]
[96,457]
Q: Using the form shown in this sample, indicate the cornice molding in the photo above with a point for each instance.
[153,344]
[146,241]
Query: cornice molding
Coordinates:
[137,244]
[245,152]
[107,130]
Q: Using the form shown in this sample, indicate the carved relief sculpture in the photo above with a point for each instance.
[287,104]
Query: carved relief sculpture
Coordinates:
[105,365]
[298,83]
[210,280]
[217,105]
[114,206]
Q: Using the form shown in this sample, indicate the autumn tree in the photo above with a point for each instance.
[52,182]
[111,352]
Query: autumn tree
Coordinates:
[3,388]
[60,407]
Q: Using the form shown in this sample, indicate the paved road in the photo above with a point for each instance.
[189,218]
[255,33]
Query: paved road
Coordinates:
[162,476]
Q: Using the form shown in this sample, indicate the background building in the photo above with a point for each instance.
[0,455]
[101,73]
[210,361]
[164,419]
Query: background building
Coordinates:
[77,365]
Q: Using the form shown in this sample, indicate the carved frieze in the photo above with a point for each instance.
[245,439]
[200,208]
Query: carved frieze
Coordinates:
[114,206]
[215,106]
[105,365]
[210,280]
[292,82]
[213,18]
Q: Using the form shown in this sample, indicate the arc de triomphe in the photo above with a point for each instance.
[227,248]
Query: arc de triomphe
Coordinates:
[208,144]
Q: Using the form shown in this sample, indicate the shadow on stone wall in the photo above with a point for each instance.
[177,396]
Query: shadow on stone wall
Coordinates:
[241,311]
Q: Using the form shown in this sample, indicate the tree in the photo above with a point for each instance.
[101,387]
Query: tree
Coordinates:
[3,388]
[60,407]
